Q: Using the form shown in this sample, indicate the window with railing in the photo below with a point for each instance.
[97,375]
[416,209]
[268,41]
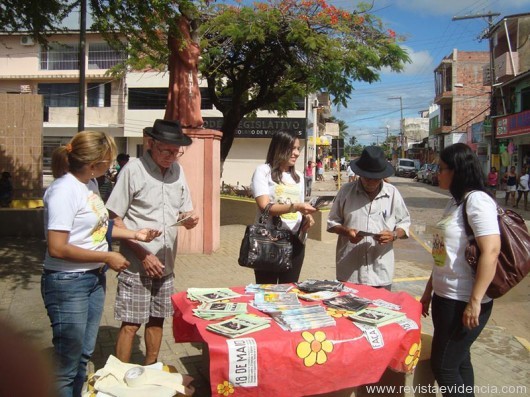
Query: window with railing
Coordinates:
[98,95]
[156,98]
[103,56]
[60,57]
[147,98]
[59,95]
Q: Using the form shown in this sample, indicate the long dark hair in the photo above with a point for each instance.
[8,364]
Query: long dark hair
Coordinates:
[468,173]
[280,150]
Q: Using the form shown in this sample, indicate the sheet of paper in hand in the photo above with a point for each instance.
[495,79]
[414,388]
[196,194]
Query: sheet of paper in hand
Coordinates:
[362,233]
[321,201]
[181,221]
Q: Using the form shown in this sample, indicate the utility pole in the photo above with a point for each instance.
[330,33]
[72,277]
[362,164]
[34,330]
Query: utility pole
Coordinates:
[82,66]
[490,16]
[401,132]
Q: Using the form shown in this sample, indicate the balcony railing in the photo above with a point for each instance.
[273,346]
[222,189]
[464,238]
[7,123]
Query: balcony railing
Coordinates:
[503,65]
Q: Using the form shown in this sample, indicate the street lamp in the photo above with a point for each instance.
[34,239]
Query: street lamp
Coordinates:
[400,123]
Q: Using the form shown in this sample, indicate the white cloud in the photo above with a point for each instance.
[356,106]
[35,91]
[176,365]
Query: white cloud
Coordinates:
[421,63]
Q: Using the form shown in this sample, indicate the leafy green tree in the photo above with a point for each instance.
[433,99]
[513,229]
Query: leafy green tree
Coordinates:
[37,17]
[261,56]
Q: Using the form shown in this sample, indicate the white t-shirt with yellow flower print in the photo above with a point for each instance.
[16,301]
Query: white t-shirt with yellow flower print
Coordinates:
[286,192]
[75,207]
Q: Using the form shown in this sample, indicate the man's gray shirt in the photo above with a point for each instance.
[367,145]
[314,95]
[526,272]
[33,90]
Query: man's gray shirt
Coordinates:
[367,262]
[144,198]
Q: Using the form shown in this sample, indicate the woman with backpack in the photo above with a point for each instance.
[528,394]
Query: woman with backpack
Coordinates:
[460,307]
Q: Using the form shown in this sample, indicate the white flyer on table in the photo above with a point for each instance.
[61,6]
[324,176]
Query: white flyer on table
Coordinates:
[243,362]
[372,334]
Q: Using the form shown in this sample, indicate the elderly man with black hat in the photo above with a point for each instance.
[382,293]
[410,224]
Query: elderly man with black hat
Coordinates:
[368,214]
[151,191]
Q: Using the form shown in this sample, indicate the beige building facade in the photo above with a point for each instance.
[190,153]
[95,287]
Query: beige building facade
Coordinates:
[122,107]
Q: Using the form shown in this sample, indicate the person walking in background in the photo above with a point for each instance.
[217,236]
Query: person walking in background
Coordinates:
[278,182]
[351,175]
[122,159]
[73,279]
[320,171]
[104,186]
[151,191]
[372,206]
[6,190]
[522,189]
[460,308]
[510,178]
[308,175]
[493,181]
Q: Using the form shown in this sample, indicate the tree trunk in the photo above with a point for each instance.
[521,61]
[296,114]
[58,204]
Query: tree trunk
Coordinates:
[231,121]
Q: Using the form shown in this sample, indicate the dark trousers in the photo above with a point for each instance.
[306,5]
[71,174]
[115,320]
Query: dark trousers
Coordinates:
[308,184]
[290,276]
[451,344]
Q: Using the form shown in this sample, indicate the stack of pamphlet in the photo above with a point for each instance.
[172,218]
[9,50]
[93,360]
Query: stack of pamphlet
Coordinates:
[320,285]
[377,316]
[303,318]
[253,288]
[318,296]
[320,202]
[210,294]
[274,301]
[239,325]
[348,302]
[217,310]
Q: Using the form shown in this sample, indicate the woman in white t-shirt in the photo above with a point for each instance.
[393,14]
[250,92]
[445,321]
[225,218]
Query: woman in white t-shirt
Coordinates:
[278,182]
[522,189]
[460,308]
[73,279]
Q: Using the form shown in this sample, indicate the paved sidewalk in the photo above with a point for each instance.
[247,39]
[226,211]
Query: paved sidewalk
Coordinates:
[500,358]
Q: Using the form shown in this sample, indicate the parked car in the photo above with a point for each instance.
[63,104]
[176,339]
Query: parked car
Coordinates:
[432,175]
[406,168]
[421,175]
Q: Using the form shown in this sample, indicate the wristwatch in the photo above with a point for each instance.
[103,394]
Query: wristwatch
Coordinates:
[394,235]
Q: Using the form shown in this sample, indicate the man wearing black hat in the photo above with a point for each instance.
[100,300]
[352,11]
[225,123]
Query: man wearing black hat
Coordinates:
[368,215]
[151,191]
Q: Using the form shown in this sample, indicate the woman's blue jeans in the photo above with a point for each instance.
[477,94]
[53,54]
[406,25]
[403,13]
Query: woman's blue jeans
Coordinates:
[74,302]
[451,345]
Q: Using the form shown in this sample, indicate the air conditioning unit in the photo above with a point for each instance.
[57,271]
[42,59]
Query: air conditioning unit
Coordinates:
[27,40]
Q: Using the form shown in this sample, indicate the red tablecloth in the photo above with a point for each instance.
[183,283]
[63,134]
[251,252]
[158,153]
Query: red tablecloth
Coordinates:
[275,363]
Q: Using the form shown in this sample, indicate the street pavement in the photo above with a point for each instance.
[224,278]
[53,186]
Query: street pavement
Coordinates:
[500,356]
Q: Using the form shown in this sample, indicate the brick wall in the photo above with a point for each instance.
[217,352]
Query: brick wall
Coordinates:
[21,142]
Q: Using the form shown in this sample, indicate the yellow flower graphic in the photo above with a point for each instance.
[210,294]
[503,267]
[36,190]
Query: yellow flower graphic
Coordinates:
[314,348]
[337,313]
[414,355]
[225,388]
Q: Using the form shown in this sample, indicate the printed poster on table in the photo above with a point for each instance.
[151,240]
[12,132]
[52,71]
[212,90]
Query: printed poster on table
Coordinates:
[243,362]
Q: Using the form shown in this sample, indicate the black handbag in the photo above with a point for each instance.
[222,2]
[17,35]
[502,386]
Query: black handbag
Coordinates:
[267,247]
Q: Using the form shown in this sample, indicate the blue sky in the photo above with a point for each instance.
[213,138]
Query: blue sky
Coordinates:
[430,36]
